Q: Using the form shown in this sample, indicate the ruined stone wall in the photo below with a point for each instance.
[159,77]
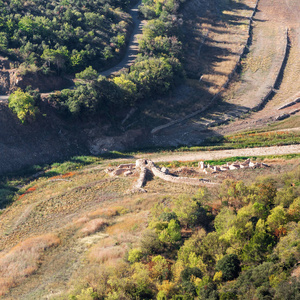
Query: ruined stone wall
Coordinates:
[181,180]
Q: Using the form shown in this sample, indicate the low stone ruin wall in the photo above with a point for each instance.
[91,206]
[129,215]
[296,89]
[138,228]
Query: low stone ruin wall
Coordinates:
[182,180]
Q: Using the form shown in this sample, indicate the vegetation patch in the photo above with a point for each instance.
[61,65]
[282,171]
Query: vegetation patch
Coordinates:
[63,36]
[240,242]
[93,226]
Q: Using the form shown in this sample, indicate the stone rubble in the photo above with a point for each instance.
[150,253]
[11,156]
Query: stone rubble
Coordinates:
[234,166]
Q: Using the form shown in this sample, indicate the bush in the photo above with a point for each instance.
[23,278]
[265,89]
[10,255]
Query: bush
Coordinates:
[23,104]
[288,290]
[150,244]
[188,272]
[230,267]
[134,255]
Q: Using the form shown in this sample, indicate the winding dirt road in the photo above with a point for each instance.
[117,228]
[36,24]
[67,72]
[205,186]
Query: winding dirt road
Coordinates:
[133,47]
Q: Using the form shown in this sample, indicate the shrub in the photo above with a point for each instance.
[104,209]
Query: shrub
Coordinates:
[288,290]
[88,74]
[230,267]
[23,105]
[134,255]
[150,244]
[172,233]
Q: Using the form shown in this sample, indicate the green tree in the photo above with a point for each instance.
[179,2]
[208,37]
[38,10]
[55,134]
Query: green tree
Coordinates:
[3,41]
[230,267]
[172,233]
[223,220]
[276,218]
[128,87]
[58,57]
[23,104]
[89,74]
[256,250]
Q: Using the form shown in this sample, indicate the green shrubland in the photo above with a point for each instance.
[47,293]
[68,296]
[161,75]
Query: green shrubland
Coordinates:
[245,248]
[63,36]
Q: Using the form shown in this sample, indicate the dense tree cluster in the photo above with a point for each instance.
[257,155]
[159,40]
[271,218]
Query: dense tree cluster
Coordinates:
[154,73]
[246,248]
[63,35]
[148,77]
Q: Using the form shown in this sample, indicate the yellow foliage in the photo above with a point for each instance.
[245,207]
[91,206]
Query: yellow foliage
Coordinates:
[166,286]
[177,268]
[218,276]
[196,262]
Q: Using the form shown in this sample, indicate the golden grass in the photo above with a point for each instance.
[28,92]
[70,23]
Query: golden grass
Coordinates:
[130,223]
[81,220]
[103,255]
[109,212]
[23,260]
[93,226]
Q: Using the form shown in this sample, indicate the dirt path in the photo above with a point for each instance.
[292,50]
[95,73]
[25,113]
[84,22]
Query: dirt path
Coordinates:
[212,155]
[132,50]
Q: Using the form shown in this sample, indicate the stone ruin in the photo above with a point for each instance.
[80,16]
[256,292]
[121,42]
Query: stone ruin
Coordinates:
[143,166]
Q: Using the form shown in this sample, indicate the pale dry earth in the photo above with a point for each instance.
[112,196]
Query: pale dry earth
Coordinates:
[260,68]
[219,154]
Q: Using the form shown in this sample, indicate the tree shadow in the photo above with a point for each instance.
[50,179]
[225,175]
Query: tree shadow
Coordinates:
[198,130]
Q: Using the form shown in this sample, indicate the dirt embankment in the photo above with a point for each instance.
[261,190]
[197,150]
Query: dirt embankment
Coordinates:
[52,138]
[43,82]
[43,141]
[11,79]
